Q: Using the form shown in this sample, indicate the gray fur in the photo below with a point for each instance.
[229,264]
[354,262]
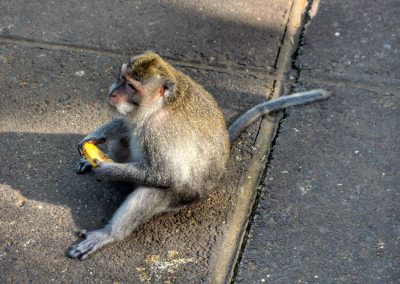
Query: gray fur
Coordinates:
[168,177]
[140,206]
[274,105]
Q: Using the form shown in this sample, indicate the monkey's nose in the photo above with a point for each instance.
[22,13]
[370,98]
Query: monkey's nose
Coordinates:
[112,90]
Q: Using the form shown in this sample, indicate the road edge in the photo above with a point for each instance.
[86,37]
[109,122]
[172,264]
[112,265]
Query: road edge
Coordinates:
[234,237]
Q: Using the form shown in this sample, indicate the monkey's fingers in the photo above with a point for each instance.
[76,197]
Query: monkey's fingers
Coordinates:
[94,155]
[83,166]
[79,148]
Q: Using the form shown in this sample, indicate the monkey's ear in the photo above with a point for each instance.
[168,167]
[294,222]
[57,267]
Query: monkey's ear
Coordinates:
[169,88]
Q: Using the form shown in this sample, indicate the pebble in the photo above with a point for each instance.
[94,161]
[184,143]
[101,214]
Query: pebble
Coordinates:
[64,98]
[80,73]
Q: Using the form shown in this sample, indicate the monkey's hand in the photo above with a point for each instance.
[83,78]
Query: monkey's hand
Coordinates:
[83,166]
[90,139]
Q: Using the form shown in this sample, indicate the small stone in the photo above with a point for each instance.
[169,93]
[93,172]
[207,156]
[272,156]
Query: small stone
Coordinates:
[172,254]
[64,98]
[19,203]
[271,222]
[80,73]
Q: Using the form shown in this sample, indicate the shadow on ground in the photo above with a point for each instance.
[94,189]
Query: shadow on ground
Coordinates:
[36,161]
[44,202]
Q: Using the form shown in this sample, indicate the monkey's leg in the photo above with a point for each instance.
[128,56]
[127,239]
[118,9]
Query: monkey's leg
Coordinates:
[139,207]
[116,129]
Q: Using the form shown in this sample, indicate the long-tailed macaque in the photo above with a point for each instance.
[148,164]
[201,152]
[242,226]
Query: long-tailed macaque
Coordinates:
[172,144]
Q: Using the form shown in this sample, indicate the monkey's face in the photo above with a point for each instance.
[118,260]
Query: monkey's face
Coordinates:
[124,94]
[140,85]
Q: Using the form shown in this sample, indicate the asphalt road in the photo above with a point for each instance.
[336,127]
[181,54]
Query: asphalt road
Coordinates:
[57,60]
[329,208]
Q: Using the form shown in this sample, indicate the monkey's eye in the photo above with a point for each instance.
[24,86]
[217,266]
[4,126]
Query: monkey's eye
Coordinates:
[131,87]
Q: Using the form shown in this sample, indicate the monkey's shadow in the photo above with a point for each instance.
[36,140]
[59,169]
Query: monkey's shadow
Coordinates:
[41,167]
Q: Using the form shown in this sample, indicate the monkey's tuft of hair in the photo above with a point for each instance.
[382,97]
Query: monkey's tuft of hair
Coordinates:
[149,65]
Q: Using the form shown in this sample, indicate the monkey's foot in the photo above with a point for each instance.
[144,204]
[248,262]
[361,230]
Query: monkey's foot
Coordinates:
[83,166]
[93,241]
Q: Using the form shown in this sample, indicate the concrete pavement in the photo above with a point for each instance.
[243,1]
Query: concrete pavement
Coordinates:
[328,211]
[58,59]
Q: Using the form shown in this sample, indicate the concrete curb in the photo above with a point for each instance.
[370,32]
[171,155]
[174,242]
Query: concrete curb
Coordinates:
[238,225]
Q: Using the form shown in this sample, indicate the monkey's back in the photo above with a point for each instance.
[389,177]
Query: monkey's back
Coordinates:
[195,126]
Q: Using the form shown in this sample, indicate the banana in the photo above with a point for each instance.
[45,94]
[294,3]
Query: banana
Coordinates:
[93,154]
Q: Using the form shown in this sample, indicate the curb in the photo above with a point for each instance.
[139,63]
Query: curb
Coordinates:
[234,239]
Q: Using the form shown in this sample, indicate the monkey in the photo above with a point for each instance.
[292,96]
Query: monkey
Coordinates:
[171,143]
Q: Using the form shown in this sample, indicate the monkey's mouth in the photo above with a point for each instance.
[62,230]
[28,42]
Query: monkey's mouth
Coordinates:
[124,108]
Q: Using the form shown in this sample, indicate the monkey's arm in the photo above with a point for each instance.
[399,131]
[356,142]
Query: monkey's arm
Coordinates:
[274,105]
[118,127]
[134,173]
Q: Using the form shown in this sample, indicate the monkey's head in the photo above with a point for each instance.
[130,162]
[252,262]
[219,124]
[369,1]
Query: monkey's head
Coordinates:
[145,81]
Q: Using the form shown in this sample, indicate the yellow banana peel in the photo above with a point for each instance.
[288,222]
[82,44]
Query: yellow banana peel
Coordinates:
[93,154]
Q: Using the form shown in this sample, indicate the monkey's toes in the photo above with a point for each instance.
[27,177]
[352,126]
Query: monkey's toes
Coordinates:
[83,249]
[82,233]
[92,242]
[83,166]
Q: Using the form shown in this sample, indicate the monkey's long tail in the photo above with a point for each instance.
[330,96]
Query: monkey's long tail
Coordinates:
[274,105]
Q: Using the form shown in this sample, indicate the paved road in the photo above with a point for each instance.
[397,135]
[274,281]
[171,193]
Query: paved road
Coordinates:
[329,208]
[57,60]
